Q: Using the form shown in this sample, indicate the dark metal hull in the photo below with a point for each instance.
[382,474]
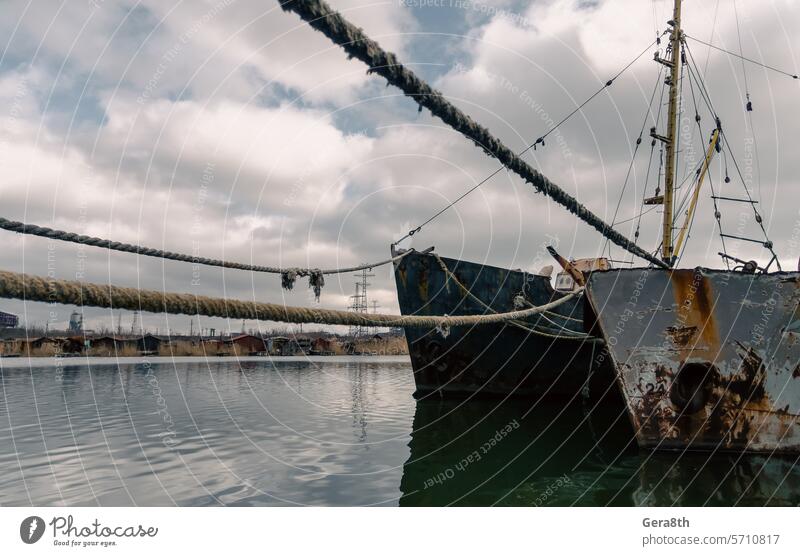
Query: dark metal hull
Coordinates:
[705,359]
[493,360]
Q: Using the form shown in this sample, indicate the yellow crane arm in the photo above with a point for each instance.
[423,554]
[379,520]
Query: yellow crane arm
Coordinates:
[690,214]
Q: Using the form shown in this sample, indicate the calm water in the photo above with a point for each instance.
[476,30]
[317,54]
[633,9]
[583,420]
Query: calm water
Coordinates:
[330,431]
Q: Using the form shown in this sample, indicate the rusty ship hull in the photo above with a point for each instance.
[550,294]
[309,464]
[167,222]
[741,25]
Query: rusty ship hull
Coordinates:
[706,360]
[493,360]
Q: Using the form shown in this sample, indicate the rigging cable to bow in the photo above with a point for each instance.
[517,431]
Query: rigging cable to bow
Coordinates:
[539,141]
[288,274]
[647,115]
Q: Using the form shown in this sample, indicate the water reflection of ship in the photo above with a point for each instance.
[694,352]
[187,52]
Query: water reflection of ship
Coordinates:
[570,455]
[720,480]
[510,453]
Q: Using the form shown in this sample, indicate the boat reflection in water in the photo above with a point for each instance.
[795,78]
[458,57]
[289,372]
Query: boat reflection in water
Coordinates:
[524,453]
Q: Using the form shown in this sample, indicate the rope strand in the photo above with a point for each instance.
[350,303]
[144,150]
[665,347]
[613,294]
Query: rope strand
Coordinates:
[15,285]
[357,44]
[288,275]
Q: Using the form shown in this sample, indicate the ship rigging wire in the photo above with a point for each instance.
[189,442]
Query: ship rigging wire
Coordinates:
[744,58]
[648,114]
[653,141]
[749,104]
[710,37]
[539,141]
[717,213]
[320,16]
[727,151]
[694,77]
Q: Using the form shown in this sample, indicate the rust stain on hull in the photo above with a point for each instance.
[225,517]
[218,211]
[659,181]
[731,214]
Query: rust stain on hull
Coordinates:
[695,301]
[422,283]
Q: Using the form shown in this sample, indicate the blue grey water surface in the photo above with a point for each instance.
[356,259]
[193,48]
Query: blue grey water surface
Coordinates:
[340,431]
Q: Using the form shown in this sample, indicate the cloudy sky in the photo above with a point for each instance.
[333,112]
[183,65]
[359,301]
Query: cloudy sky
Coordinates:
[230,129]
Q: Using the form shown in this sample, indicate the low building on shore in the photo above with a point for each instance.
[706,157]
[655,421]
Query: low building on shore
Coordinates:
[111,346]
[10,347]
[246,344]
[73,345]
[283,346]
[321,346]
[150,344]
[44,345]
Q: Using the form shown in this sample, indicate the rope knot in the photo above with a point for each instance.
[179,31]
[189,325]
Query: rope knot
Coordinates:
[288,278]
[443,328]
[316,280]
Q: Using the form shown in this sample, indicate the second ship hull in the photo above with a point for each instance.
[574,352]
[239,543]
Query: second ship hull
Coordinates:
[547,356]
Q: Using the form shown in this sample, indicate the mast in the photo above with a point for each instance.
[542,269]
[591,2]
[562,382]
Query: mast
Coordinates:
[674,64]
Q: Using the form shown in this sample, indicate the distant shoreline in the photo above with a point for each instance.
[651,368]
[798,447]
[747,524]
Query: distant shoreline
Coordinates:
[149,345]
[24,361]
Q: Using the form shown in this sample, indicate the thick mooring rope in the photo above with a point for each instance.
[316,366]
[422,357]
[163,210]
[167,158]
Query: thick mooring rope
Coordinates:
[357,44]
[36,288]
[288,275]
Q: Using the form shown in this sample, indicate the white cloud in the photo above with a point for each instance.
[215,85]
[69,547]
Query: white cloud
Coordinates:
[278,180]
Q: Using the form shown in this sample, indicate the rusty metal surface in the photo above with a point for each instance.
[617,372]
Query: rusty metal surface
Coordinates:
[493,359]
[705,359]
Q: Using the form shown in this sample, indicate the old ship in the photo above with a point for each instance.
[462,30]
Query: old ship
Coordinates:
[546,355]
[704,359]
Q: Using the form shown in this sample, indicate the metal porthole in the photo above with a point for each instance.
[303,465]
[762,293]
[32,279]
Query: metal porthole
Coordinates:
[691,387]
